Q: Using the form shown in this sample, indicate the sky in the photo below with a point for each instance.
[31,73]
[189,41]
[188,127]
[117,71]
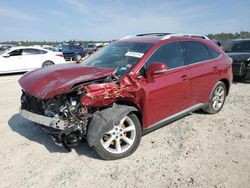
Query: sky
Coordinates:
[59,20]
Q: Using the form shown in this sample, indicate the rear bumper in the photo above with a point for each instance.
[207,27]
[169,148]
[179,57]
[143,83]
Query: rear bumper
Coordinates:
[54,122]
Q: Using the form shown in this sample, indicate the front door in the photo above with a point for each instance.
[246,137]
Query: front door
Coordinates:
[13,62]
[168,93]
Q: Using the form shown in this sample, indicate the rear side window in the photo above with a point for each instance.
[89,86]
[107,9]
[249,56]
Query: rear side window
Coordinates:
[77,47]
[195,52]
[169,54]
[32,51]
[65,47]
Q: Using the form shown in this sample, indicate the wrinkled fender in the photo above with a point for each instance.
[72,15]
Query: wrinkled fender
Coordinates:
[104,120]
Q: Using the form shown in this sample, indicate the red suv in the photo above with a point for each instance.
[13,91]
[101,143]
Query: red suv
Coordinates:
[127,89]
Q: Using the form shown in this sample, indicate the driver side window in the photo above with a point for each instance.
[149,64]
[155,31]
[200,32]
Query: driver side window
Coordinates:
[169,54]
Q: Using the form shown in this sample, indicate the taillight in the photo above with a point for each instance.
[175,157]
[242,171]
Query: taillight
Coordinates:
[60,55]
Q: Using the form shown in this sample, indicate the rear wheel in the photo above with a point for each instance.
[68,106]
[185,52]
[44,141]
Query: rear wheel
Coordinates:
[47,63]
[120,141]
[217,98]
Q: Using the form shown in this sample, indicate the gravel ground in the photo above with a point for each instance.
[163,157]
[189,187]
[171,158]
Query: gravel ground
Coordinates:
[199,150]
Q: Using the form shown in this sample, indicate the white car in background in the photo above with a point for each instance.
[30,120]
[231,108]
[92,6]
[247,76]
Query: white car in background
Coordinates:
[21,59]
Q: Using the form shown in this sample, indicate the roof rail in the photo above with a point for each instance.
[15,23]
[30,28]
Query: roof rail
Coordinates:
[128,37]
[166,35]
[157,34]
[144,34]
[184,35]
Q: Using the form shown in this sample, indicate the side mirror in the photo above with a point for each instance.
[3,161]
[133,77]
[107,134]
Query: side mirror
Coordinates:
[156,68]
[6,55]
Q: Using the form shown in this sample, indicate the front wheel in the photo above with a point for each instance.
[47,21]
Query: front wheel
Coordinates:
[217,98]
[122,140]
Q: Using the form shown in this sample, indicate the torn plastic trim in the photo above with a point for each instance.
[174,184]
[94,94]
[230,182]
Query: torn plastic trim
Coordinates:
[104,120]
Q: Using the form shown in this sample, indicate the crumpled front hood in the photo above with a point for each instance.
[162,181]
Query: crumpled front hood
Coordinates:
[47,82]
[239,56]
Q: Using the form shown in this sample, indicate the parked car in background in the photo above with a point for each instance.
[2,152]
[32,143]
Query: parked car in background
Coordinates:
[239,51]
[89,48]
[127,89]
[21,59]
[2,50]
[6,46]
[70,51]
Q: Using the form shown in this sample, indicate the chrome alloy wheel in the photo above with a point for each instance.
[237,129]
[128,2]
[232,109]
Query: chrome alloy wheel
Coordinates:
[119,139]
[218,98]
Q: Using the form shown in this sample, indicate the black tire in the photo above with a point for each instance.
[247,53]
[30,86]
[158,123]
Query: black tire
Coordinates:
[47,63]
[212,108]
[78,57]
[107,155]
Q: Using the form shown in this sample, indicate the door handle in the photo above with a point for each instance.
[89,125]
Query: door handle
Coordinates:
[184,77]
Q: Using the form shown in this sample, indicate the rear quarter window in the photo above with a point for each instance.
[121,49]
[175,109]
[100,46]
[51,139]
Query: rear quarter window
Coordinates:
[213,54]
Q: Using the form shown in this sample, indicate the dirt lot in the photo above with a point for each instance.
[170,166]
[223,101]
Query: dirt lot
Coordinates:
[199,150]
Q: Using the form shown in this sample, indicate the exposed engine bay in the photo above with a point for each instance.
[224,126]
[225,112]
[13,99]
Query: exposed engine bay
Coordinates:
[66,109]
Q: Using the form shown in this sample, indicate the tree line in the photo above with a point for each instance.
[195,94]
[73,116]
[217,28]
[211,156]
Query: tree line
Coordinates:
[225,36]
[218,37]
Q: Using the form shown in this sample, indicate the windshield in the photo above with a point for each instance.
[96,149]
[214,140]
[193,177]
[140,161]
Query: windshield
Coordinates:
[121,56]
[238,46]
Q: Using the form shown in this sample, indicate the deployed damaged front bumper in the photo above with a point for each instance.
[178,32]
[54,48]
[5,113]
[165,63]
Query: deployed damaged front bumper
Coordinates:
[54,122]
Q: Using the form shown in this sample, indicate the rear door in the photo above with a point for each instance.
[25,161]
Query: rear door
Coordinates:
[33,58]
[68,51]
[168,94]
[204,70]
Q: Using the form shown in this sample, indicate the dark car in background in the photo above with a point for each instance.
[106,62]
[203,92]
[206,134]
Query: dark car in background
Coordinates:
[70,51]
[239,51]
[4,47]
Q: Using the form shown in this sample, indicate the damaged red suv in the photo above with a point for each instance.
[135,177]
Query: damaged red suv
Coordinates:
[127,89]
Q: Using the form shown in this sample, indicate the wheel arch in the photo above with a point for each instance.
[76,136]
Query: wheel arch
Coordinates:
[43,64]
[105,119]
[137,112]
[227,84]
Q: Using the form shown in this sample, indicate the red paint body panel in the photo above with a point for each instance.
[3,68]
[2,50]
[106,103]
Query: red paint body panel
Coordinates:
[47,82]
[168,93]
